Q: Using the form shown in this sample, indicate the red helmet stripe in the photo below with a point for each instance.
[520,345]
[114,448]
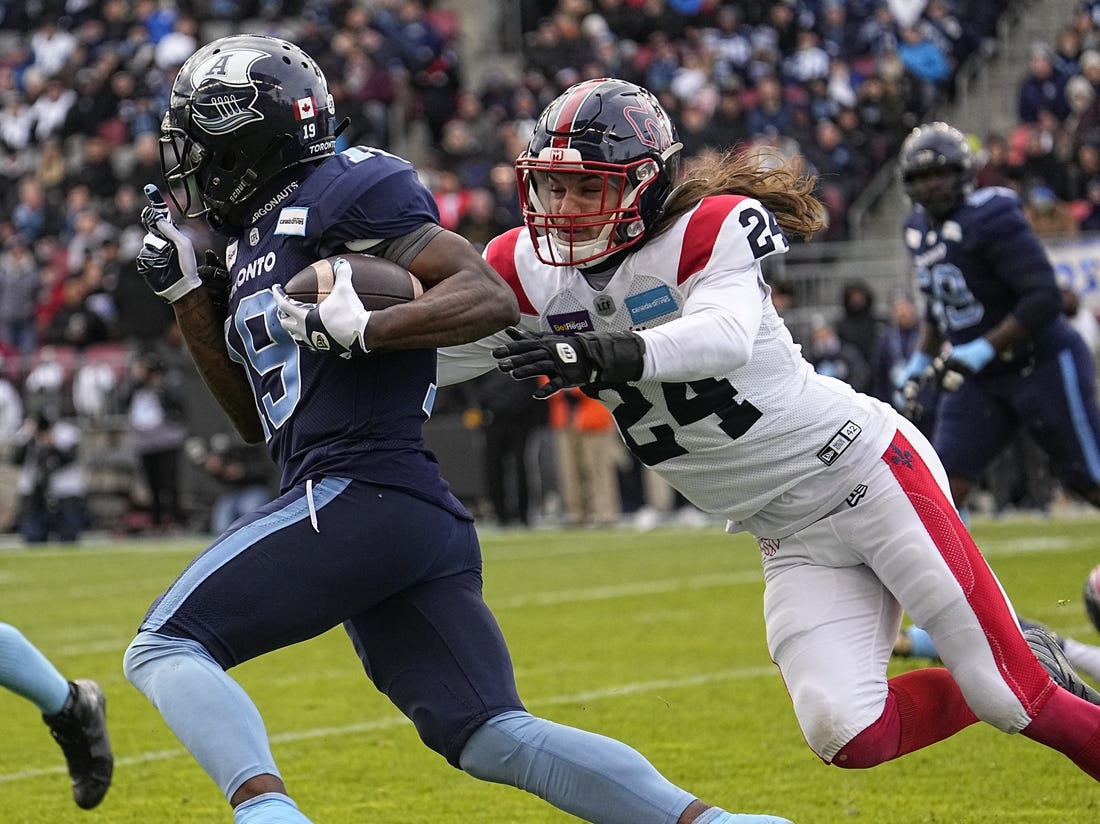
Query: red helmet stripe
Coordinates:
[569,109]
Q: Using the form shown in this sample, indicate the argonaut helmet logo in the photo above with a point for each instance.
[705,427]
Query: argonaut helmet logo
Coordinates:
[225,94]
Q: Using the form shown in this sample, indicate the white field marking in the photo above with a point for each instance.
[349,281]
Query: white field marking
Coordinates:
[635,688]
[538,599]
[607,593]
[1026,546]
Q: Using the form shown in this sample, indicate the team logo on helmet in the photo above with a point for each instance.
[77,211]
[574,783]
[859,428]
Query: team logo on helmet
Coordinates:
[225,94]
[651,132]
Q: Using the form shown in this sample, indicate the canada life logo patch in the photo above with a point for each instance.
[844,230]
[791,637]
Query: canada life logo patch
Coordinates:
[650,304]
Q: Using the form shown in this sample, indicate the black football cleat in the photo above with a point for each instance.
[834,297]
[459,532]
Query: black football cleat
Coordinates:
[80,729]
[1045,646]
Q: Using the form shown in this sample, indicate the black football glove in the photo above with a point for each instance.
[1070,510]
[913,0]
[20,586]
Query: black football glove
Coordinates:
[215,280]
[572,360]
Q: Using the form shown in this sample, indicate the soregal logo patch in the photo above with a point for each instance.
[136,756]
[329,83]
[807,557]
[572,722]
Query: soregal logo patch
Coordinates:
[569,323]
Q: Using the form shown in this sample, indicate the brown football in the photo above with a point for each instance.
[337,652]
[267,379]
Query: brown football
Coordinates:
[378,282]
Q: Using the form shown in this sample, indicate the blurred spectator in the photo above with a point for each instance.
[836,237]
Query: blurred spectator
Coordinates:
[242,472]
[32,216]
[1090,222]
[509,418]
[588,450]
[19,285]
[897,342]
[75,323]
[1067,51]
[993,166]
[771,111]
[50,108]
[480,221]
[156,433]
[1081,173]
[837,358]
[51,47]
[1049,215]
[16,122]
[1041,88]
[859,324]
[52,486]
[926,61]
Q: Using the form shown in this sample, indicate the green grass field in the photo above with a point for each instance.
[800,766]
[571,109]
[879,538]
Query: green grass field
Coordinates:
[655,638]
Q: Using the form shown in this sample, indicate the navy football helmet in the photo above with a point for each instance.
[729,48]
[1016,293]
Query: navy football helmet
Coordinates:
[243,109]
[927,152]
[617,133]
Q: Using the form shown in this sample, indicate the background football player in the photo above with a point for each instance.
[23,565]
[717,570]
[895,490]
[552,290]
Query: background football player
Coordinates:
[990,293]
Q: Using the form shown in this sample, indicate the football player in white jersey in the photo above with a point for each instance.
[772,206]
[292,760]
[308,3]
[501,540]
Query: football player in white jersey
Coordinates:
[646,290]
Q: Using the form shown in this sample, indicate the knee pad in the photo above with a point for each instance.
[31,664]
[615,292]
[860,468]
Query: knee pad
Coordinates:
[826,724]
[148,647]
[491,752]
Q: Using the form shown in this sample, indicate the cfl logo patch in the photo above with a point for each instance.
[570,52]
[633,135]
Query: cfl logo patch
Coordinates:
[319,341]
[566,353]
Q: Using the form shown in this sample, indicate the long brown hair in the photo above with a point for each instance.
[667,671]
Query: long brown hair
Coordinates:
[776,182]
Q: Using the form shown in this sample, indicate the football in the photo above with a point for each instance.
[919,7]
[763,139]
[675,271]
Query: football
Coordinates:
[378,282]
[1092,597]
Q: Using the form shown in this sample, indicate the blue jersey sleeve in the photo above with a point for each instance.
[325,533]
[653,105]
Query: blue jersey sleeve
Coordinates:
[1006,240]
[370,195]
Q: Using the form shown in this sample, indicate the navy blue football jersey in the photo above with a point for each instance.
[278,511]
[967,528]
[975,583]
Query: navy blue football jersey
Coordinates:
[981,264]
[323,415]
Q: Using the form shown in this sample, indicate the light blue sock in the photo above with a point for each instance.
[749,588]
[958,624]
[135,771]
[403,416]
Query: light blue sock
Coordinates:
[269,808]
[207,710]
[595,778]
[717,816]
[27,672]
[922,644]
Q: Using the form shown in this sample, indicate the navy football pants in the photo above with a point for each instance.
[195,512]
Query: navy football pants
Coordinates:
[401,574]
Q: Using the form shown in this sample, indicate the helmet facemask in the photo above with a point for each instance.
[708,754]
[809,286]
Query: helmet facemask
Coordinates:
[615,136]
[615,189]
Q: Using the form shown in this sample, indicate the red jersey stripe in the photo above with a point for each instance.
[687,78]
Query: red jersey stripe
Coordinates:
[701,231]
[501,255]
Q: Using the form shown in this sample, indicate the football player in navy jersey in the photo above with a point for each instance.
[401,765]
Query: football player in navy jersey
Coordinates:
[365,533]
[990,294]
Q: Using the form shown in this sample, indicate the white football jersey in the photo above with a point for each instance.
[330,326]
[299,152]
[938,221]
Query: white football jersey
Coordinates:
[727,410]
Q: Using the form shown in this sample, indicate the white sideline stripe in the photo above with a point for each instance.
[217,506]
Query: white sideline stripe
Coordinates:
[636,688]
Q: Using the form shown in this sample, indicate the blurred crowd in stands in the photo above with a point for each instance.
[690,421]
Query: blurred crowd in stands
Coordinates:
[838,82]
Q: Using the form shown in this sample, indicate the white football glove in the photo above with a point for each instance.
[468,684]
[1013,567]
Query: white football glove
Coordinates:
[336,324]
[167,256]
